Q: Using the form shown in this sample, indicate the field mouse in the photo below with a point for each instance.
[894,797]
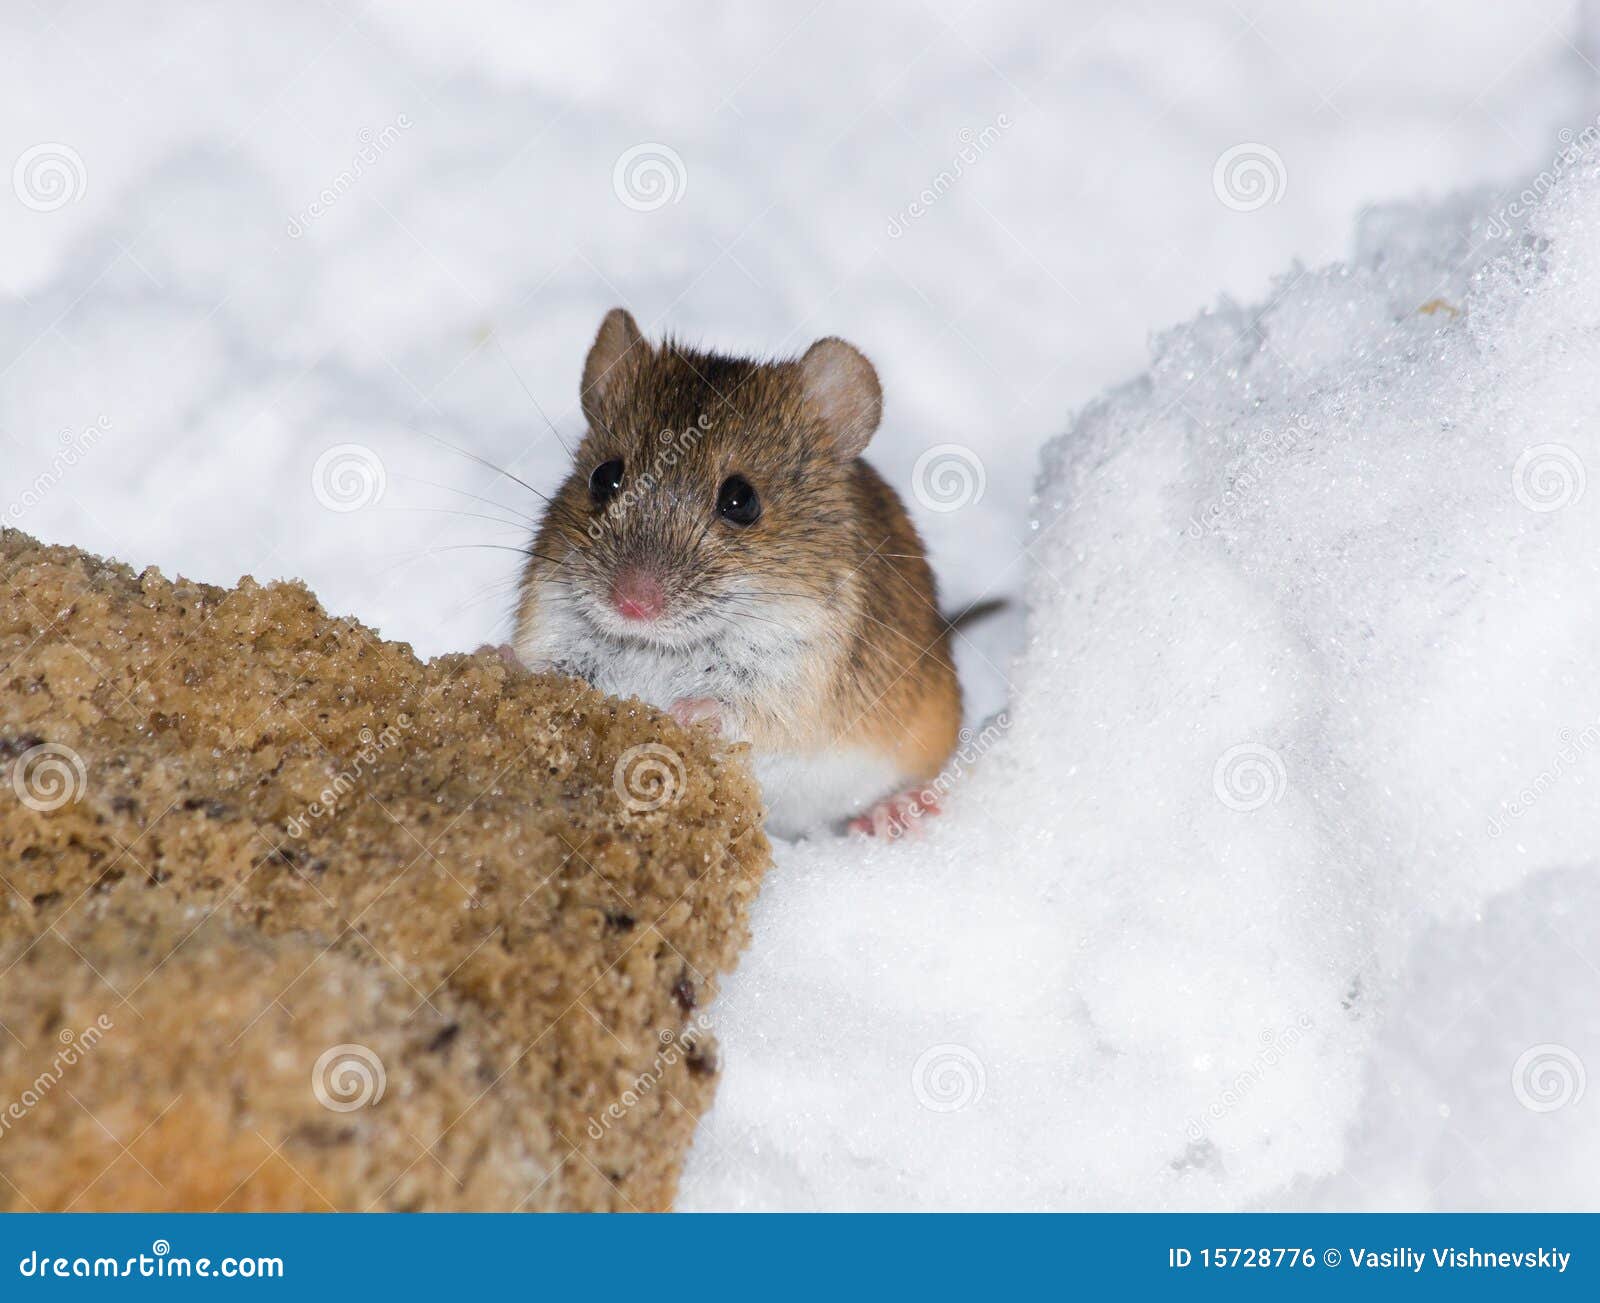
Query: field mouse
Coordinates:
[721,551]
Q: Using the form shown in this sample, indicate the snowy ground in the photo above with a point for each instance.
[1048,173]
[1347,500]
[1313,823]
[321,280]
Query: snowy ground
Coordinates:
[1288,889]
[238,238]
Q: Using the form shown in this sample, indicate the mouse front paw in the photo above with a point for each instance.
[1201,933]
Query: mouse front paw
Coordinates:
[698,712]
[504,651]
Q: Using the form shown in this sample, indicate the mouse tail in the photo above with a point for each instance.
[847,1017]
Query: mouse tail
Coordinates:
[978,611]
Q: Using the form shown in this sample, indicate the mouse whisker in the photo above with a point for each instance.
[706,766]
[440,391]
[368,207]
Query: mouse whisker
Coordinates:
[705,528]
[498,547]
[766,594]
[411,557]
[745,613]
[470,515]
[495,335]
[496,589]
[896,632]
[482,461]
[762,619]
[530,521]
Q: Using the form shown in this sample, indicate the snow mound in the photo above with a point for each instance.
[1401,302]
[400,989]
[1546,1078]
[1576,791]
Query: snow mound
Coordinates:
[1299,765]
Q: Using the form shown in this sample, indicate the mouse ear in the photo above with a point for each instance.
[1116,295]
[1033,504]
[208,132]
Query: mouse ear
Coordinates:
[616,352]
[842,392]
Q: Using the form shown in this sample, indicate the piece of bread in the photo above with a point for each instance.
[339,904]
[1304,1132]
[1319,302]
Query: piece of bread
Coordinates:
[292,920]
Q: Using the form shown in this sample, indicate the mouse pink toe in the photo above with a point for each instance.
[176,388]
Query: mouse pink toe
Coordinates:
[637,595]
[897,815]
[702,711]
[504,651]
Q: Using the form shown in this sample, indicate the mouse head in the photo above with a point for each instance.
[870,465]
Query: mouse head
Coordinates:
[712,496]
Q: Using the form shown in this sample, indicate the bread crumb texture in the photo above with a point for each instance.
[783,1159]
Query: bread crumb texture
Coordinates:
[291,920]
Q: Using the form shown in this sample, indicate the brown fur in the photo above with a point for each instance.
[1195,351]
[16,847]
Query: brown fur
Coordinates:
[832,531]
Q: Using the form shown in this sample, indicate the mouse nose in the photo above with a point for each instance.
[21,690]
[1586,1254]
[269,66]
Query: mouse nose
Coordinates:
[637,595]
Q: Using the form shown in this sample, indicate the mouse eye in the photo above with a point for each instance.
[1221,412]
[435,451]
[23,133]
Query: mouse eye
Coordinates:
[737,502]
[605,480]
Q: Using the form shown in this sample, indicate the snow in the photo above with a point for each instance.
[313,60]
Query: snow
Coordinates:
[1305,715]
[276,253]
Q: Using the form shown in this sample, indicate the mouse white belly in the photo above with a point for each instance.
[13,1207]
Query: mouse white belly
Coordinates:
[805,789]
[805,792]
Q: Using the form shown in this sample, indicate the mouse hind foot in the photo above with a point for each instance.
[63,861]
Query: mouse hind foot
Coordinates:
[897,815]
